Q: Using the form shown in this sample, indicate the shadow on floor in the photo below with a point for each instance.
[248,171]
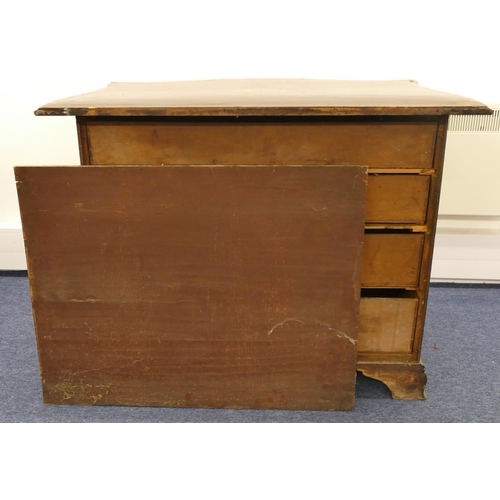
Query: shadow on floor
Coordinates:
[369,388]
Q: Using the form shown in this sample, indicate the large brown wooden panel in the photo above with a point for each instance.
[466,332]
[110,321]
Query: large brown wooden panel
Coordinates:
[391,260]
[186,286]
[397,198]
[407,145]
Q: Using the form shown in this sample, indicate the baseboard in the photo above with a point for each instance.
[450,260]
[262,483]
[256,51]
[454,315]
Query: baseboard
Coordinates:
[12,256]
[467,249]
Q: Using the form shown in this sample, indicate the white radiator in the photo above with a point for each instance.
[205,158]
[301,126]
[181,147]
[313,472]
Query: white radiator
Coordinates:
[468,236]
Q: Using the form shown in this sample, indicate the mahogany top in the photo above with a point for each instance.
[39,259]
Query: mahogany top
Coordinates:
[265,97]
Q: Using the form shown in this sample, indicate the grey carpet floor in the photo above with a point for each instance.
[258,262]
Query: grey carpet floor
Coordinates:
[463,372]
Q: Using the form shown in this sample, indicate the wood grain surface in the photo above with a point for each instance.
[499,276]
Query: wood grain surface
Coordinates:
[271,97]
[392,260]
[229,287]
[383,144]
[387,324]
[397,198]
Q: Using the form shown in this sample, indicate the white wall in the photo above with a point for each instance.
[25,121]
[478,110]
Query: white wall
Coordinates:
[54,49]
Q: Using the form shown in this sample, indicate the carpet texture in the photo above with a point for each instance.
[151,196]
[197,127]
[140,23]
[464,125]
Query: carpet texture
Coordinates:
[463,372]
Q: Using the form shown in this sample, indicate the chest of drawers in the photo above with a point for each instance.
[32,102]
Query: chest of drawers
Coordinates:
[395,133]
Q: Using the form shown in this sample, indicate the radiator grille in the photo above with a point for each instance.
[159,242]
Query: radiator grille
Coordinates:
[475,123]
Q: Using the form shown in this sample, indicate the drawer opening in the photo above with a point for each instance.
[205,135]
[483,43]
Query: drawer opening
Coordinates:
[391,293]
[399,230]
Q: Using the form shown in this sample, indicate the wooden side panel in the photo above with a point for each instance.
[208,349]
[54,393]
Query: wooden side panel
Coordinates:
[83,143]
[199,287]
[397,198]
[391,260]
[383,144]
[386,324]
[432,216]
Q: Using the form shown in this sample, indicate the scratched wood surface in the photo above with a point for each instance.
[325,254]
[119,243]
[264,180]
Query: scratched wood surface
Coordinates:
[392,260]
[386,324]
[246,141]
[270,97]
[397,198]
[231,287]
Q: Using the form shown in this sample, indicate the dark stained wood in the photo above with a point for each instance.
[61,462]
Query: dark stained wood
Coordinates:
[392,260]
[404,380]
[388,144]
[397,198]
[222,287]
[271,97]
